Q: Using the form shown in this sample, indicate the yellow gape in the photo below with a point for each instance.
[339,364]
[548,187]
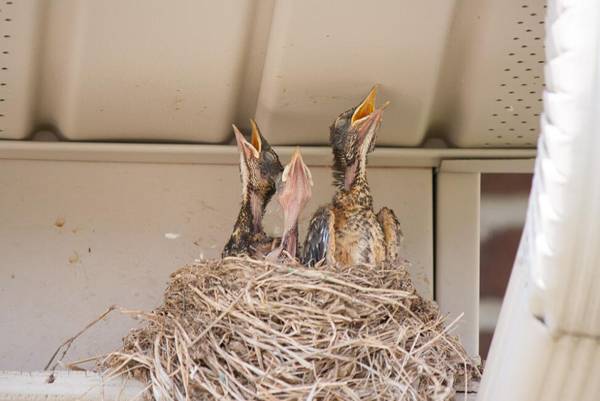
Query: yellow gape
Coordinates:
[366,107]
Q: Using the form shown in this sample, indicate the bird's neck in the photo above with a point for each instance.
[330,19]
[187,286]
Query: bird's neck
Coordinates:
[356,189]
[338,170]
[289,240]
[251,213]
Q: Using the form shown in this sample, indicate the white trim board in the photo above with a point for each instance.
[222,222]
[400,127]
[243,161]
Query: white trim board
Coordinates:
[67,385]
[499,165]
[227,154]
[82,386]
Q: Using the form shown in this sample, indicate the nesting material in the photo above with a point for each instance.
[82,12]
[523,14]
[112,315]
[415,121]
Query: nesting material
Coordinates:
[241,329]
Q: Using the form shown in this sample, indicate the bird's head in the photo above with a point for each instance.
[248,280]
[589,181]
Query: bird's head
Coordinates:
[259,164]
[352,137]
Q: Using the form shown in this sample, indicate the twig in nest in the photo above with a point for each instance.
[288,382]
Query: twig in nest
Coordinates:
[67,344]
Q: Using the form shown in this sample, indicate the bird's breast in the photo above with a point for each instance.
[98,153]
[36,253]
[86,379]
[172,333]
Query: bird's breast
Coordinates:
[358,237]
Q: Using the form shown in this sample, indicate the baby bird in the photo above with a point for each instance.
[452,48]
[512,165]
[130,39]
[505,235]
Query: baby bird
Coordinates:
[348,231]
[293,193]
[259,170]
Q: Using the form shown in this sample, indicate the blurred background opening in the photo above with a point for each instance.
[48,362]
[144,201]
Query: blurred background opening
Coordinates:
[503,208]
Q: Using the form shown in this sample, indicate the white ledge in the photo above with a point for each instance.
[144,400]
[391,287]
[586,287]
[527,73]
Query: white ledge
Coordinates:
[67,386]
[82,386]
[227,154]
[504,165]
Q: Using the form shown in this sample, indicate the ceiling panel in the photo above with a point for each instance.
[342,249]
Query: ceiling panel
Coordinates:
[466,71]
[490,90]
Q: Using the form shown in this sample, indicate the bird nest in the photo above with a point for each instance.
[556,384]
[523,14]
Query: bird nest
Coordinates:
[241,329]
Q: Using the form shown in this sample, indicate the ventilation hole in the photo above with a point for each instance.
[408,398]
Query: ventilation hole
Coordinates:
[539,100]
[507,107]
[502,122]
[533,14]
[511,92]
[523,84]
[527,30]
[532,54]
[495,115]
[520,62]
[519,100]
[527,107]
[511,54]
[524,6]
[1,100]
[502,84]
[541,22]
[9,2]
[7,36]
[523,46]
[515,77]
[531,129]
[516,114]
[490,129]
[511,129]
[527,69]
[498,100]
[1,115]
[507,69]
[520,22]
[531,92]
[499,136]
[523,122]
[537,114]
[536,77]
[4,68]
[7,19]
[537,38]
[515,38]
[3,84]
[5,52]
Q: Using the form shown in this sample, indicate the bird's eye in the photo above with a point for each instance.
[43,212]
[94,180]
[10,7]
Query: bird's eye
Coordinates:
[269,158]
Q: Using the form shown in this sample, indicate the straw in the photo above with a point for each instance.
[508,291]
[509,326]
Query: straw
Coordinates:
[241,329]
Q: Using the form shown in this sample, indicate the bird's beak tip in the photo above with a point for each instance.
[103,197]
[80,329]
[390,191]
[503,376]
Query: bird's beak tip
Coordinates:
[255,137]
[243,145]
[296,156]
[239,138]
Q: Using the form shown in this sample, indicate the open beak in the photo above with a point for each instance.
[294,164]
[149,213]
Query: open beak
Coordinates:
[366,118]
[370,123]
[294,193]
[366,107]
[296,188]
[246,148]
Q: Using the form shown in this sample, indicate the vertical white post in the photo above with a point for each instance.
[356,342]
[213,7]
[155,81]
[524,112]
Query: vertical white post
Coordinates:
[457,252]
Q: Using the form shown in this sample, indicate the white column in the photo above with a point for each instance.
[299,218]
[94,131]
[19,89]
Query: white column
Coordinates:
[457,252]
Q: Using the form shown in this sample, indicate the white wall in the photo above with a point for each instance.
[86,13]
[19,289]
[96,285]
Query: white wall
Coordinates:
[126,227]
